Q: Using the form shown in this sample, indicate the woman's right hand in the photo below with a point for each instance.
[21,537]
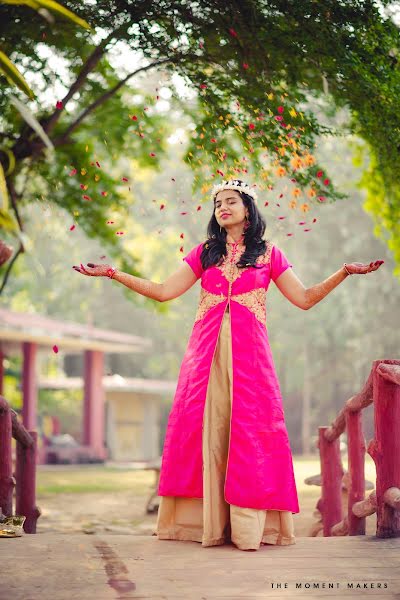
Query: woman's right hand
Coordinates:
[93,270]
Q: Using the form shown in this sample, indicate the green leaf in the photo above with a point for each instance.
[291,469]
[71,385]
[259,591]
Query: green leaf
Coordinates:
[32,121]
[3,190]
[13,75]
[53,6]
[7,222]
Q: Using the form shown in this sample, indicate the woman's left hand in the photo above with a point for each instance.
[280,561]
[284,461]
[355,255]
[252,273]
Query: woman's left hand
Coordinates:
[357,268]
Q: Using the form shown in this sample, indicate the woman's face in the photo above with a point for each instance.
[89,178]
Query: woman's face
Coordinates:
[229,208]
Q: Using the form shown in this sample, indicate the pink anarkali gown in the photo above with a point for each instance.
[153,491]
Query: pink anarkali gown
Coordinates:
[227,470]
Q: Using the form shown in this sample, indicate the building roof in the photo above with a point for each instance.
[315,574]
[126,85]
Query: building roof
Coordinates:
[111,383]
[16,327]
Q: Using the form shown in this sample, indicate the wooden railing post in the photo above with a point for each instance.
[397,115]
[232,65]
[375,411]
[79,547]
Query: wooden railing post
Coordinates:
[356,460]
[7,481]
[26,483]
[331,481]
[385,448]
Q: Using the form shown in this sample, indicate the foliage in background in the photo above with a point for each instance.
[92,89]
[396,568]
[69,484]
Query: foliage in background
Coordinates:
[254,66]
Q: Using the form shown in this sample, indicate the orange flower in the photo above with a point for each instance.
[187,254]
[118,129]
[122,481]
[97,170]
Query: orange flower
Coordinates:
[296,162]
[309,160]
[281,172]
[304,207]
[311,193]
[293,204]
[296,192]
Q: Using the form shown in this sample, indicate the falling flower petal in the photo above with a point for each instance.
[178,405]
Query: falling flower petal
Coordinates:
[162,206]
[280,109]
[110,222]
[104,193]
[245,66]
[98,164]
[59,105]
[73,172]
[124,179]
[182,236]
[152,154]
[181,249]
[55,349]
[72,227]
[320,173]
[233,32]
[251,126]
[134,118]
[198,208]
[326,181]
[119,232]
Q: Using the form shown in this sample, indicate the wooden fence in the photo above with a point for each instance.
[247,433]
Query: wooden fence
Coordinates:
[24,478]
[383,390]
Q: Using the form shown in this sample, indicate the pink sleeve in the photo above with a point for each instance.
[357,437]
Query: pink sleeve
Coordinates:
[279,263]
[193,260]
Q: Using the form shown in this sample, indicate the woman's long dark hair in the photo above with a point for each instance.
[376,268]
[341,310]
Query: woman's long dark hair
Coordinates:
[214,248]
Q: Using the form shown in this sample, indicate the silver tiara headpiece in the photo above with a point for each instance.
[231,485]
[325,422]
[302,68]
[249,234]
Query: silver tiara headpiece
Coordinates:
[233,184]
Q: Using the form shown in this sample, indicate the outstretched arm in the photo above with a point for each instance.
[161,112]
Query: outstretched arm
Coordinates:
[176,285]
[305,298]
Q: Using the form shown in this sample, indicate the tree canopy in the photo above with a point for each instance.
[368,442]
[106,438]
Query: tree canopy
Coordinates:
[267,77]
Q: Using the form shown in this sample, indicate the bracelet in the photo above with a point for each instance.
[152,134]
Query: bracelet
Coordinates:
[111,272]
[345,268]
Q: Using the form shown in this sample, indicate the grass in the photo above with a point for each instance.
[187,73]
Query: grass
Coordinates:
[109,480]
[89,480]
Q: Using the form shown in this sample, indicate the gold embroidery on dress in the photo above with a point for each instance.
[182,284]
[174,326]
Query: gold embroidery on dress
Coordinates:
[207,301]
[228,268]
[254,300]
[265,258]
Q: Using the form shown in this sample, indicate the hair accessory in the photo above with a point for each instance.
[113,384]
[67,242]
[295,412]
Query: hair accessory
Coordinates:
[234,184]
[111,272]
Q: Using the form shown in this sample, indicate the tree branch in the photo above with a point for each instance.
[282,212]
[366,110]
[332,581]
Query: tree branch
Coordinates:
[101,99]
[90,64]
[13,198]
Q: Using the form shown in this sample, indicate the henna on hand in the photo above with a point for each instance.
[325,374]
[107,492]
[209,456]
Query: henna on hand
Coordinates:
[358,268]
[318,291]
[145,287]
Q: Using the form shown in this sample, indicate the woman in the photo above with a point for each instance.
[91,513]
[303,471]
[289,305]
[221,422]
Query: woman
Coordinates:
[227,469]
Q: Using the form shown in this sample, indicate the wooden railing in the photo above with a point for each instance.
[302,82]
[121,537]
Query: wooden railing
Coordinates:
[24,479]
[383,390]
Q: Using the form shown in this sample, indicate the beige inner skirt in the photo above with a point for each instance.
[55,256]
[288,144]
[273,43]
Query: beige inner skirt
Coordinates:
[211,520]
